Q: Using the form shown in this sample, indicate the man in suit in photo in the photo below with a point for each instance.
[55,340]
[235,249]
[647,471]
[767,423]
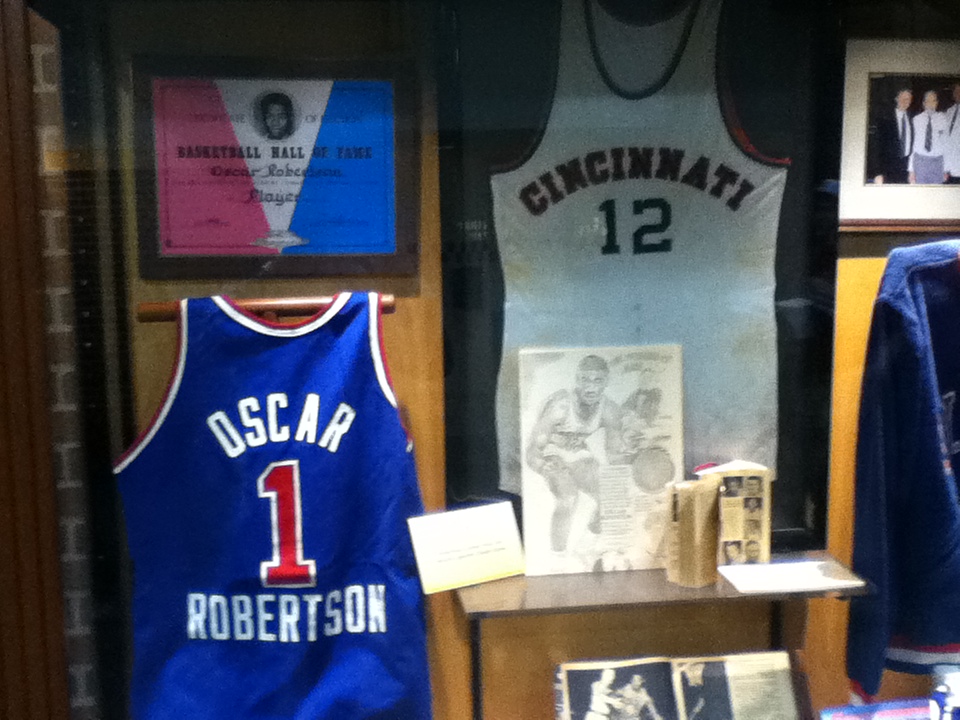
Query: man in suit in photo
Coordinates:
[893,141]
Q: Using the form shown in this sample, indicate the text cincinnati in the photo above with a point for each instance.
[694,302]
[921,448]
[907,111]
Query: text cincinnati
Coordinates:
[632,163]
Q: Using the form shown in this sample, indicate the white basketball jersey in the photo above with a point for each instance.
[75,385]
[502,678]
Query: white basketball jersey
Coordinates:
[639,220]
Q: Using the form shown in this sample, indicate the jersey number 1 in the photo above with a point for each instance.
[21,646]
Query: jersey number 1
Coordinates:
[280,483]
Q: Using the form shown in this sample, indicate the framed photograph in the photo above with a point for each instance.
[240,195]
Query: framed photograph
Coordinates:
[900,165]
[251,169]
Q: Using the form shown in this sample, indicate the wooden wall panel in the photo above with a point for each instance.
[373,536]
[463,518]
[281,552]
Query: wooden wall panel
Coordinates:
[32,667]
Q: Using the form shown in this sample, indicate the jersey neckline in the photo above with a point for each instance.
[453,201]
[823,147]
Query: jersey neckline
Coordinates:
[590,6]
[277,329]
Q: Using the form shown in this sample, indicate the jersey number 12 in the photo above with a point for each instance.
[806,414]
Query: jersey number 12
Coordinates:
[656,209]
[280,483]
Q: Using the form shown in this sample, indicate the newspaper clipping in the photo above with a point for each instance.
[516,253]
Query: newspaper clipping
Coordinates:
[748,686]
[602,433]
[745,500]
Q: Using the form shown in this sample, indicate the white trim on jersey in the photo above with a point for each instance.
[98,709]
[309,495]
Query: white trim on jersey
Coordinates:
[278,331]
[131,454]
[923,657]
[376,349]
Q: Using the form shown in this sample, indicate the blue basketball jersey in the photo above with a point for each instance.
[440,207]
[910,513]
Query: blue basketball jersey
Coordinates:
[266,512]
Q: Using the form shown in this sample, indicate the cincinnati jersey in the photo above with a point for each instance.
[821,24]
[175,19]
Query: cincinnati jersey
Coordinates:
[638,219]
[266,513]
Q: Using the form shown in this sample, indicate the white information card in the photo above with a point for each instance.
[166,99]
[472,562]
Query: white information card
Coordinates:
[803,576]
[465,547]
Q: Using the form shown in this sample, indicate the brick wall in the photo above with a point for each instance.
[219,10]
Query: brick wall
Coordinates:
[65,419]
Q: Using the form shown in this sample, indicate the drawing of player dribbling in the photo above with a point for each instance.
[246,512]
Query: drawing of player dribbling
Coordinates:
[557,447]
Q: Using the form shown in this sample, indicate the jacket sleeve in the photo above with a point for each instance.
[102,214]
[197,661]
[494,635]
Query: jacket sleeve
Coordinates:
[879,454]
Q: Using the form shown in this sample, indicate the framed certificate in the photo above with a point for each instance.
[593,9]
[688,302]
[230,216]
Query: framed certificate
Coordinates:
[249,170]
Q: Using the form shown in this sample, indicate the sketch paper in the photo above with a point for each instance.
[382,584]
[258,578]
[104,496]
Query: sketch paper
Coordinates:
[602,435]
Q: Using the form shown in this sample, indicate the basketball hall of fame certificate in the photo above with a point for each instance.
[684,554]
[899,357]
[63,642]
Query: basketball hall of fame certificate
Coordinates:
[268,166]
[602,435]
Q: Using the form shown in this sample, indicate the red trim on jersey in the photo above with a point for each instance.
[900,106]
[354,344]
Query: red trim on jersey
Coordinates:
[383,349]
[857,689]
[737,133]
[135,446]
[386,366]
[728,111]
[279,324]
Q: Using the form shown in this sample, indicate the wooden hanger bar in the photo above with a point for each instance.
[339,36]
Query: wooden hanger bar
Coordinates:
[274,307]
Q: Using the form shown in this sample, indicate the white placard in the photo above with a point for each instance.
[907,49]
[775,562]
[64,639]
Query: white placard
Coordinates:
[465,547]
[803,576]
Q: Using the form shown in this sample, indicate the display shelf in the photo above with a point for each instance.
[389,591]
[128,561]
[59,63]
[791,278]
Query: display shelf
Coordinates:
[550,594]
[634,588]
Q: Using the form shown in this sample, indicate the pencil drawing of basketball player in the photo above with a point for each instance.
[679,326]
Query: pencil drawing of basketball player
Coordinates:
[642,446]
[557,449]
[640,411]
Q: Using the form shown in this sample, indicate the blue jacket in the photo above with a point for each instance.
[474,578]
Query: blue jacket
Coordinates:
[907,518]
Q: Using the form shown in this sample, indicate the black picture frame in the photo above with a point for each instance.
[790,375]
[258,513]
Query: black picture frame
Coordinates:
[157,263]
